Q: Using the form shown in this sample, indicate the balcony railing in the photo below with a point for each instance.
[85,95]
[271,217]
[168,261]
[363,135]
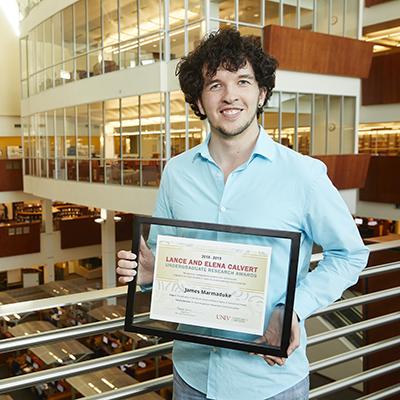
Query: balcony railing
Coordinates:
[12,344]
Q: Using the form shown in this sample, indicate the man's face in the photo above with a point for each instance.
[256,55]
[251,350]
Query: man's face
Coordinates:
[230,101]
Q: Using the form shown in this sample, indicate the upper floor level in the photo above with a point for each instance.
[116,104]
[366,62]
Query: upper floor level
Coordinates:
[85,38]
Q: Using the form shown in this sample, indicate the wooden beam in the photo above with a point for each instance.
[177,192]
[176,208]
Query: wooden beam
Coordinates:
[382,180]
[305,51]
[370,3]
[381,26]
[346,171]
[383,83]
[10,175]
[19,238]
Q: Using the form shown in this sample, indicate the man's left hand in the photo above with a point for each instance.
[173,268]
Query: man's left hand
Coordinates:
[273,335]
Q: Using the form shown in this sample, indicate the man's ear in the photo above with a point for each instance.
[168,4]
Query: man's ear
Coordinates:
[200,106]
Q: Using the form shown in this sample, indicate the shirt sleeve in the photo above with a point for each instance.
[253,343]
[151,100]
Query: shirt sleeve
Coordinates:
[329,223]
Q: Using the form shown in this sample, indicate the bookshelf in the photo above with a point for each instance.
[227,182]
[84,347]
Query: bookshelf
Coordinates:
[379,144]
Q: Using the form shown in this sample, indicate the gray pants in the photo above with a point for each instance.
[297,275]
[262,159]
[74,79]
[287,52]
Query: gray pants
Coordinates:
[182,391]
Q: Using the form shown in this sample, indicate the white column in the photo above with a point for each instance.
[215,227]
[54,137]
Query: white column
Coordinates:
[212,10]
[47,215]
[47,246]
[48,273]
[109,141]
[108,252]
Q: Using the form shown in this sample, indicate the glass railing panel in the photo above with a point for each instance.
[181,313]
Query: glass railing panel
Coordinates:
[71,169]
[131,172]
[113,172]
[151,172]
[97,171]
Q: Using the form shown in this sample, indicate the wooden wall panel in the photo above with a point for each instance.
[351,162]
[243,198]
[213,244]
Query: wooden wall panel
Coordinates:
[81,231]
[306,51]
[383,83]
[370,3]
[347,171]
[124,228]
[10,175]
[394,23]
[21,238]
[383,180]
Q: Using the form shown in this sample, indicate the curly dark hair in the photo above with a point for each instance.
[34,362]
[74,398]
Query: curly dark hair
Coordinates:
[228,49]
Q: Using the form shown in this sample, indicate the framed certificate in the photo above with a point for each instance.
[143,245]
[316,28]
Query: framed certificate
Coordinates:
[210,283]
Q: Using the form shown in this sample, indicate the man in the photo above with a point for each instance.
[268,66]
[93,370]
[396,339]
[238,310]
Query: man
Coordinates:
[240,176]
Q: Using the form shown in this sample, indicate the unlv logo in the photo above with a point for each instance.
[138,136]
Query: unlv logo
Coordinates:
[223,317]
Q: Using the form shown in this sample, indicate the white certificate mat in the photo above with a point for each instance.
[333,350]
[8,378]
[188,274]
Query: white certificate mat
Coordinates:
[211,284]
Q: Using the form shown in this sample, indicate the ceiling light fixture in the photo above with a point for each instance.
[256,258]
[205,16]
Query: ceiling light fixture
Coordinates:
[103,217]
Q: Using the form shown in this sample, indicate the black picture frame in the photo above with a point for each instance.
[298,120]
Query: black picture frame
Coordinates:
[139,325]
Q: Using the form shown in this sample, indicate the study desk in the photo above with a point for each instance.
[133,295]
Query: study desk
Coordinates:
[5,298]
[152,368]
[383,239]
[60,288]
[61,352]
[106,380]
[26,294]
[46,355]
[51,353]
[31,327]
[107,312]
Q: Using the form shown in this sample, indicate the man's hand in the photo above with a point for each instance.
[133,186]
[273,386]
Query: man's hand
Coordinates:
[273,335]
[127,265]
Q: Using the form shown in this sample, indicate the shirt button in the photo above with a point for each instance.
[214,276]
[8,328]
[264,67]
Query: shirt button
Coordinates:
[222,208]
[214,349]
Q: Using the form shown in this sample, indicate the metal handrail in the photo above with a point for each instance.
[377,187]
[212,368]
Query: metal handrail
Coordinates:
[40,304]
[370,323]
[61,301]
[132,390]
[48,375]
[352,380]
[72,332]
[379,269]
[20,382]
[372,247]
[11,344]
[358,300]
[94,328]
[352,354]
[384,246]
[382,394]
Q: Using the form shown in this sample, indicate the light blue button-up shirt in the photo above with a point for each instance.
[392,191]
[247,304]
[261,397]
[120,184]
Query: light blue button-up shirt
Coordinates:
[276,188]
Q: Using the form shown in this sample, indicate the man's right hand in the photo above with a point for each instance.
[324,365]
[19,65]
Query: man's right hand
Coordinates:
[127,266]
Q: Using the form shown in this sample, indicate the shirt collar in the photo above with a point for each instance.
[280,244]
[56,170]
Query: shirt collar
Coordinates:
[265,147]
[203,151]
